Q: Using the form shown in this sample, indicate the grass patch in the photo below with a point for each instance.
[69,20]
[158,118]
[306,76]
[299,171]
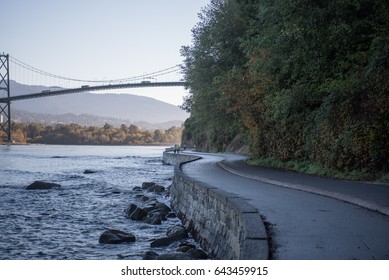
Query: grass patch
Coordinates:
[312,168]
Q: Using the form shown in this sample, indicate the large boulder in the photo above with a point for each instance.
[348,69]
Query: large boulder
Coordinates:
[113,236]
[40,185]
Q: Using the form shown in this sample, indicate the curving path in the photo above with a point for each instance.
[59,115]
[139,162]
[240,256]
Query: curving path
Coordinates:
[304,225]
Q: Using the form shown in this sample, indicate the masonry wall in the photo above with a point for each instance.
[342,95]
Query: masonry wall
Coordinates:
[171,158]
[224,224]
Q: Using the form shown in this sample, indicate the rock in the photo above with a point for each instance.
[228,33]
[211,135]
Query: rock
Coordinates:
[152,187]
[144,198]
[156,188]
[174,234]
[113,236]
[171,215]
[198,253]
[175,256]
[152,220]
[163,208]
[177,232]
[158,207]
[150,255]
[157,214]
[135,213]
[137,189]
[40,185]
[161,242]
[88,171]
[185,247]
[146,185]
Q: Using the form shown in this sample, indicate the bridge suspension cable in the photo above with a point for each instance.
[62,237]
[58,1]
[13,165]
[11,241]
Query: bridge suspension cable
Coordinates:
[152,75]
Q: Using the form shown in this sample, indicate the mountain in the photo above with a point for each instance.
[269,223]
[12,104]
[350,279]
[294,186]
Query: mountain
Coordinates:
[131,108]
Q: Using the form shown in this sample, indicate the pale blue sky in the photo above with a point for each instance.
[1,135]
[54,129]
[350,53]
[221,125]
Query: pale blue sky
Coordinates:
[96,39]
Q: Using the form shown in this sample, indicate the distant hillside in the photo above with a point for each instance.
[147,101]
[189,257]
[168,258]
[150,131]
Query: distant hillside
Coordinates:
[131,108]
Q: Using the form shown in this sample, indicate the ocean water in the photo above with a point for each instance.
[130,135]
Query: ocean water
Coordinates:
[66,223]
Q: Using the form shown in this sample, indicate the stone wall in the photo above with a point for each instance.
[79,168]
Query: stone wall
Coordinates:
[224,224]
[171,158]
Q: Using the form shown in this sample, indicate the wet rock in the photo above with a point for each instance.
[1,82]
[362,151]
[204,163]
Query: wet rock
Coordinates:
[134,212]
[156,188]
[174,234]
[150,255]
[171,215]
[161,242]
[144,198]
[146,185]
[113,236]
[177,232]
[89,171]
[198,253]
[185,247]
[157,214]
[152,220]
[158,207]
[152,187]
[163,208]
[175,256]
[40,185]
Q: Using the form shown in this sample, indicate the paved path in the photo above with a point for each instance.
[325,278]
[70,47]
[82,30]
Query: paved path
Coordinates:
[305,224]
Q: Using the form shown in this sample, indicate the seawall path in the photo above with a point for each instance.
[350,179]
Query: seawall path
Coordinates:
[304,223]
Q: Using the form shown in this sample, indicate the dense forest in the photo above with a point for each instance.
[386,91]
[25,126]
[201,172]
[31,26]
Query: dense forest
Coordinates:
[295,80]
[75,134]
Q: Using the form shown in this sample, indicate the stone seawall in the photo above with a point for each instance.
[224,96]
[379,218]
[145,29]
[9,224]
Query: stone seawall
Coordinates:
[173,159]
[224,224]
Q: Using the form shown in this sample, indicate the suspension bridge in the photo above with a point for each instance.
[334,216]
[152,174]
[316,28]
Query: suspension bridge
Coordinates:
[43,84]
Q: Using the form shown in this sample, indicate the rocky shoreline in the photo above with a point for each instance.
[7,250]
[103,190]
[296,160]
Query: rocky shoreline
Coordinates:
[146,207]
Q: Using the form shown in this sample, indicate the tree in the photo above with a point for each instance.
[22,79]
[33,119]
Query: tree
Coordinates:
[306,80]
[215,51]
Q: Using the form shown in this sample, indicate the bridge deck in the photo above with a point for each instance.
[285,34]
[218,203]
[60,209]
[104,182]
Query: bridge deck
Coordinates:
[91,88]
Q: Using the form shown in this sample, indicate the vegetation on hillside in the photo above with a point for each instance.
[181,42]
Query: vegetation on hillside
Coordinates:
[302,80]
[75,134]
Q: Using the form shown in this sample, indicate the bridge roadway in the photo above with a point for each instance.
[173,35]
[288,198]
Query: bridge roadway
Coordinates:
[305,225]
[90,88]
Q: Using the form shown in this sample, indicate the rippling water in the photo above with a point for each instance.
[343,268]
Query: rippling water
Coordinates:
[66,223]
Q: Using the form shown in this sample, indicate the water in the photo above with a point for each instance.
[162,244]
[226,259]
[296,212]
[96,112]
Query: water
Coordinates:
[66,223]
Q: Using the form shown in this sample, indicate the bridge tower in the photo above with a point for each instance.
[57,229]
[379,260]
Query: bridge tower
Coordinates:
[5,106]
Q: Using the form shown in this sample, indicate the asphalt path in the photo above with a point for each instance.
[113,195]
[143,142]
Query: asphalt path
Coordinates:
[304,225]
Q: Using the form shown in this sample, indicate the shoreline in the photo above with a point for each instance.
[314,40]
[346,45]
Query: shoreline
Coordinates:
[92,145]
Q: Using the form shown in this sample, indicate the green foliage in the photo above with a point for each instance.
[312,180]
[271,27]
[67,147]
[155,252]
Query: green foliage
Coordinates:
[215,50]
[306,80]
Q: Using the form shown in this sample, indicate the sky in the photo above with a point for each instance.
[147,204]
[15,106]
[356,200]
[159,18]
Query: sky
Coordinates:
[100,40]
